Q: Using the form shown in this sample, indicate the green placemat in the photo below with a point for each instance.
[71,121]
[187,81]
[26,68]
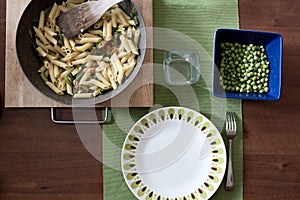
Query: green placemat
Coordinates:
[179,24]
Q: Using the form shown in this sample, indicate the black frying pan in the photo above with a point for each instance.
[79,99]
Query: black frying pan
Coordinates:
[30,61]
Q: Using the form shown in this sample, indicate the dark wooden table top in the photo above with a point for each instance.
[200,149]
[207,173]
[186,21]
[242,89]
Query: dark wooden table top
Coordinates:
[40,160]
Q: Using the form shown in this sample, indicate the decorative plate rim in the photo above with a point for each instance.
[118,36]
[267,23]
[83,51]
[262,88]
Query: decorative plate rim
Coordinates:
[205,126]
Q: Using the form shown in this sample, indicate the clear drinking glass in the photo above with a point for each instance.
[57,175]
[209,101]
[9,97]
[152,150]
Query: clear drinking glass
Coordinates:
[181,67]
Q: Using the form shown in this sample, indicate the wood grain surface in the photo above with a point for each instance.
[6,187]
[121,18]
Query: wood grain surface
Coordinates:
[21,93]
[271,129]
[40,160]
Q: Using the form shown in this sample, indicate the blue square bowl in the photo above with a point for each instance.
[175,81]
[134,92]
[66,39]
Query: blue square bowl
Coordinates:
[273,45]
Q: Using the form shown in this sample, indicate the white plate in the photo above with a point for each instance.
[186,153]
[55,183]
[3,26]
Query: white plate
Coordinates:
[173,153]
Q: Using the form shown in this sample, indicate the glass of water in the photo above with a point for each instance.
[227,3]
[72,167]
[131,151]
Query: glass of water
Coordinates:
[181,67]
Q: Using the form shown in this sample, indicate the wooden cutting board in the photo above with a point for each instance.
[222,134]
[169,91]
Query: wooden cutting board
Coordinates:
[19,92]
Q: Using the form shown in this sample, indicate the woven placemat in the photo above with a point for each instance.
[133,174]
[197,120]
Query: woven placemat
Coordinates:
[179,24]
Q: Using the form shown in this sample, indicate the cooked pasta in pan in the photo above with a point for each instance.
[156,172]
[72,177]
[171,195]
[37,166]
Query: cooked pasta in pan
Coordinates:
[94,61]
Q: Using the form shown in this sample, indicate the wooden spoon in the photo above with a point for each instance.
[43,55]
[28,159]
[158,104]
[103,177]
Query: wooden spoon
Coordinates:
[83,16]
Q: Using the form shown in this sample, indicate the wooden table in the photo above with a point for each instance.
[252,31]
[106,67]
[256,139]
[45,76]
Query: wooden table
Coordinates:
[40,160]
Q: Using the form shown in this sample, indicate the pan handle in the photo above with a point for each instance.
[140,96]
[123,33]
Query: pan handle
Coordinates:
[57,121]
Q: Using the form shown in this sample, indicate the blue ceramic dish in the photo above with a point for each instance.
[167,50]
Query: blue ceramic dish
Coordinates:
[273,45]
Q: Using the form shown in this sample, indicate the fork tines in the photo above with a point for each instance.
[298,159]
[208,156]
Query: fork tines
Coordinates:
[230,121]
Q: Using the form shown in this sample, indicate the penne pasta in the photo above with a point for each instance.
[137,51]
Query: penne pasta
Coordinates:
[72,43]
[63,8]
[90,40]
[114,18]
[99,84]
[66,50]
[69,89]
[54,88]
[46,74]
[62,84]
[47,64]
[129,32]
[56,13]
[40,35]
[120,76]
[49,31]
[85,77]
[102,79]
[96,92]
[67,43]
[40,44]
[133,48]
[70,5]
[90,64]
[41,21]
[79,62]
[83,47]
[105,73]
[51,39]
[41,52]
[125,44]
[60,64]
[52,12]
[59,50]
[104,30]
[51,74]
[51,57]
[116,62]
[132,63]
[137,35]
[89,35]
[51,48]
[106,59]
[124,54]
[83,95]
[128,69]
[95,60]
[98,24]
[70,56]
[57,29]
[65,73]
[81,55]
[95,32]
[56,71]
[131,58]
[113,83]
[76,1]
[122,49]
[109,31]
[122,17]
[42,69]
[124,59]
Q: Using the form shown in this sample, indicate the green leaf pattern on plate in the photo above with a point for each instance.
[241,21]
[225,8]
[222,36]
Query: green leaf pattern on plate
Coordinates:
[189,116]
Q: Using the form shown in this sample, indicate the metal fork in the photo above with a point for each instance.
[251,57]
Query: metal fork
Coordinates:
[231,133]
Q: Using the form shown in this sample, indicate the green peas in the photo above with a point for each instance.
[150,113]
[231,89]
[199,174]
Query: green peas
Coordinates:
[266,89]
[244,68]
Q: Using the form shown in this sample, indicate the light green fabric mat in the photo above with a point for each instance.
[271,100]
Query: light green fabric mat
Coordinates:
[189,24]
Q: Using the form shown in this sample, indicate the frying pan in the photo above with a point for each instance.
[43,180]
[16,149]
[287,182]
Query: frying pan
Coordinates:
[31,62]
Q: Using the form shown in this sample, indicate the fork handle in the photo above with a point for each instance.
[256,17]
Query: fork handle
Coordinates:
[230,179]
